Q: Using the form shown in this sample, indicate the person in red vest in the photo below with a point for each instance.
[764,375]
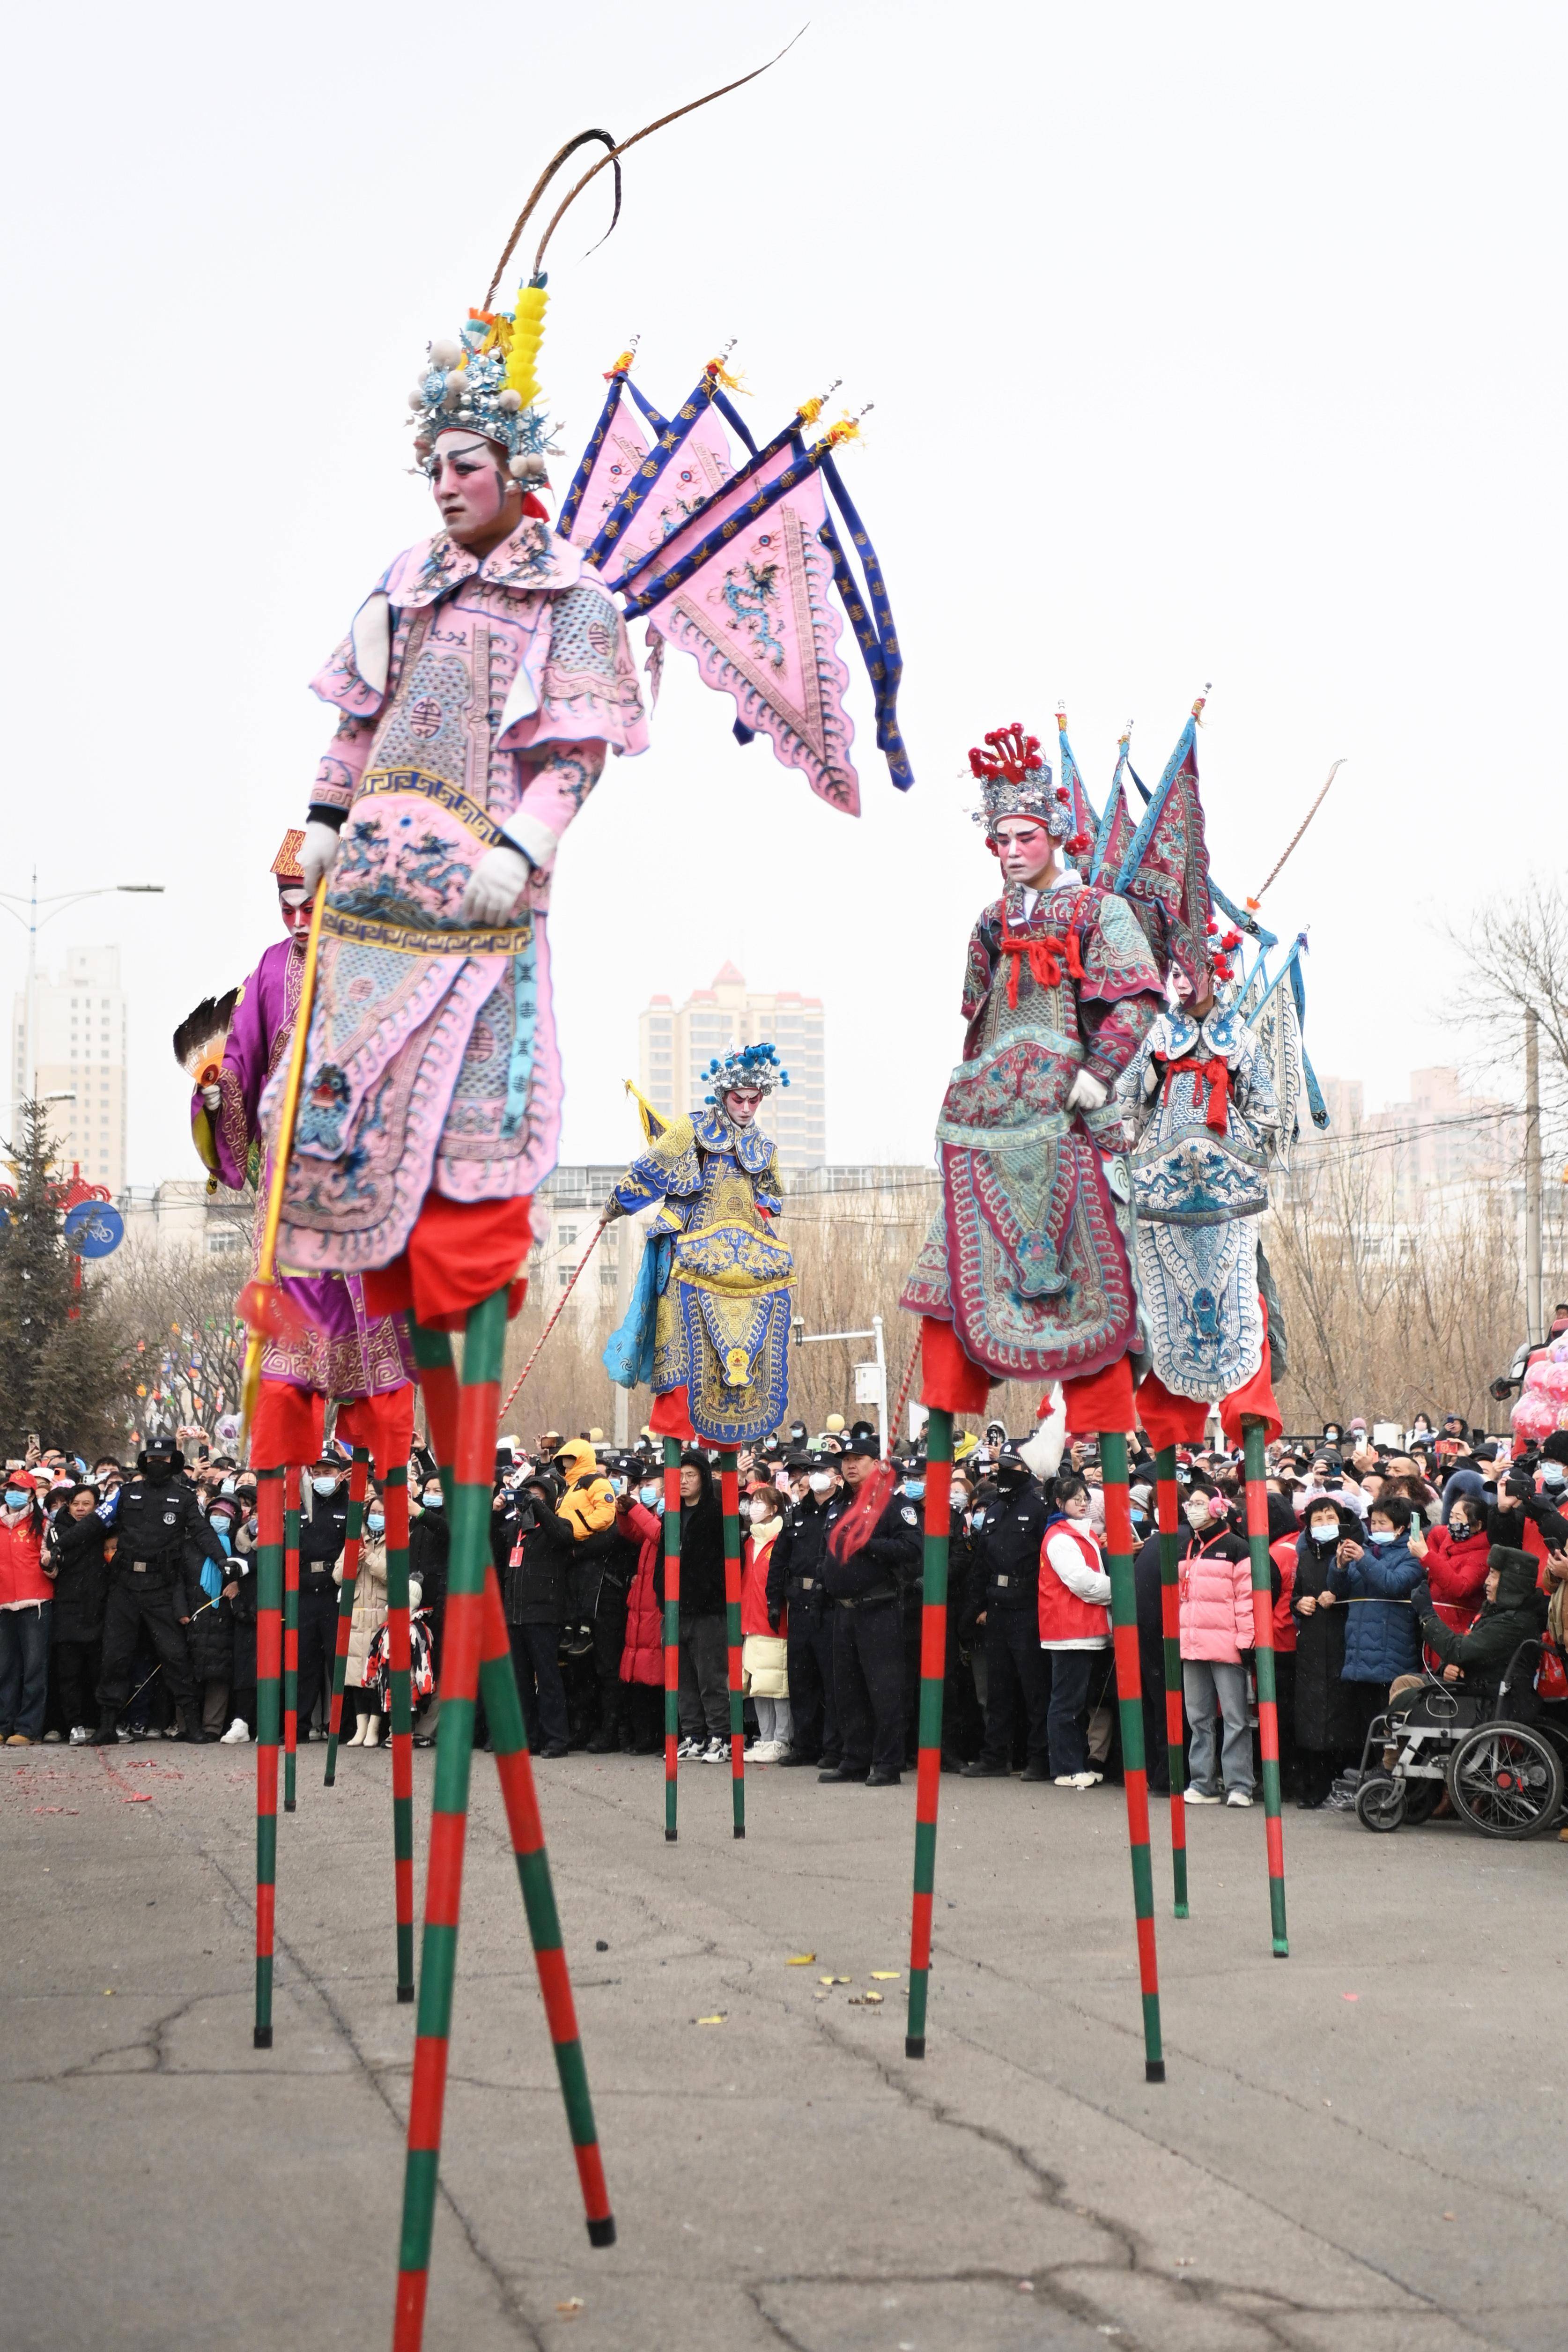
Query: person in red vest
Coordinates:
[1075,1627]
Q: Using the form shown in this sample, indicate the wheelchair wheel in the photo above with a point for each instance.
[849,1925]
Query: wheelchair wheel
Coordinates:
[1380,1801]
[1506,1780]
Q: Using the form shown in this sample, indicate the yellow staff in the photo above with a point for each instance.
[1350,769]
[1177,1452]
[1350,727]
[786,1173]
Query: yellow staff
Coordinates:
[260,1302]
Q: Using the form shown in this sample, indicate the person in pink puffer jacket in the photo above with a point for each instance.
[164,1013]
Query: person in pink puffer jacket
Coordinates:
[1217,1628]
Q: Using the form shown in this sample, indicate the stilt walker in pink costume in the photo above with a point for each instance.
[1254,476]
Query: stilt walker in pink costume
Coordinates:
[1026,1272]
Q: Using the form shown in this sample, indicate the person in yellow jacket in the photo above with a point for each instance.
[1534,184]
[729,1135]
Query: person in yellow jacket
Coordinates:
[589,1502]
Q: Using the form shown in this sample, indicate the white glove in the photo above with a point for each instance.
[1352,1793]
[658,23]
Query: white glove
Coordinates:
[495,885]
[211,1097]
[317,851]
[1086,1092]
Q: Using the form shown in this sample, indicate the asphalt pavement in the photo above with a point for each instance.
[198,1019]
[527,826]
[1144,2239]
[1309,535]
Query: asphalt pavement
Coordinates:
[1358,2150]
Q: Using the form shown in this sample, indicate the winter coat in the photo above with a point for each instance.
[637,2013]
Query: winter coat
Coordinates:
[795,1564]
[1282,1552]
[1008,1550]
[754,1558]
[22,1580]
[1073,1590]
[1379,1625]
[589,1503]
[1215,1592]
[430,1542]
[533,1581]
[642,1655]
[369,1607]
[209,1631]
[1456,1579]
[887,1564]
[701,1556]
[1326,1721]
[74,1549]
[1518,1614]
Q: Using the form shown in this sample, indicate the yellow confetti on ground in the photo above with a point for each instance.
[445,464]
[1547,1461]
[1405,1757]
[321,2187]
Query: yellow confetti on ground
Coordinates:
[872,1998]
[800,1961]
[716,2019]
[886,1975]
[833,1979]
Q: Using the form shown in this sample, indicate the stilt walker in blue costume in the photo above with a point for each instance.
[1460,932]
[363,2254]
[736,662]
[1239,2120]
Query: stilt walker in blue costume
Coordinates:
[709,1327]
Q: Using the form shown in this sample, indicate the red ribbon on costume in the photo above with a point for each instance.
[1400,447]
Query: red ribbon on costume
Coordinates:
[1045,963]
[1212,1076]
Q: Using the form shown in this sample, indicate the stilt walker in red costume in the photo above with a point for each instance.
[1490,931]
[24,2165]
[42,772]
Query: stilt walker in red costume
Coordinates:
[1025,1272]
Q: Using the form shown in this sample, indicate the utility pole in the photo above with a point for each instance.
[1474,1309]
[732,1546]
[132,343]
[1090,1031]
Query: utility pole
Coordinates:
[1534,1306]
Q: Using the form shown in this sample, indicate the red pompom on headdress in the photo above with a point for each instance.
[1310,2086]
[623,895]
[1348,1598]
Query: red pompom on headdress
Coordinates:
[1010,756]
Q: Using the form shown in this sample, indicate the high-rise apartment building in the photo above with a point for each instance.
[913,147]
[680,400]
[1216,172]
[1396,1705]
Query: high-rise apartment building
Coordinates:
[676,1043]
[78,1050]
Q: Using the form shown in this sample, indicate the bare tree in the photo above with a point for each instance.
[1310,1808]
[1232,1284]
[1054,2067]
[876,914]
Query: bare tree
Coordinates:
[1515,956]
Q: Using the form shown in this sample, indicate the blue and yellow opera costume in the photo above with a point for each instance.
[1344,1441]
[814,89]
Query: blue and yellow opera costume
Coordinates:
[711,1309]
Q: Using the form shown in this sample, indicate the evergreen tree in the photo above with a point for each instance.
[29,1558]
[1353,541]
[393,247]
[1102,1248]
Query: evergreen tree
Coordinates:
[62,1364]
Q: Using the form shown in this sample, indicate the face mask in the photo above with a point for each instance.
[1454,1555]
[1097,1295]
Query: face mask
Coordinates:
[15,1497]
[619,1485]
[1554,1477]
[432,1499]
[1380,1536]
[1324,1537]
[228,1487]
[914,1488]
[1197,1515]
[820,1482]
[978,1519]
[158,1474]
[375,1522]
[762,1508]
[325,1486]
[648,1497]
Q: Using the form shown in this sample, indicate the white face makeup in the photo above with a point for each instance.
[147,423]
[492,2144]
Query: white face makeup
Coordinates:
[477,501]
[743,1105]
[1025,852]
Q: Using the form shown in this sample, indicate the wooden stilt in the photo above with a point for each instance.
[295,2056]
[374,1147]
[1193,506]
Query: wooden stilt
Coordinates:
[1130,1704]
[1171,1644]
[934,1674]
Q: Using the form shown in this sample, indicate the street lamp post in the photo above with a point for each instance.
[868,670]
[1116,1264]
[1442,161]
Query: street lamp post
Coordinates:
[877,1370]
[27,1084]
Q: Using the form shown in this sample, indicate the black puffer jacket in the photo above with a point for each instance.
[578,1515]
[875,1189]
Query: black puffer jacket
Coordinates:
[701,1551]
[1518,1614]
[74,1549]
[533,1581]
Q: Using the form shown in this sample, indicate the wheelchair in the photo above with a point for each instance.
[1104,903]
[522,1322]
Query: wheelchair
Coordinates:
[1501,1760]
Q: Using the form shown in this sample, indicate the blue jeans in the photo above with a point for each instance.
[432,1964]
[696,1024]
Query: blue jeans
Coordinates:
[24,1668]
[1205,1681]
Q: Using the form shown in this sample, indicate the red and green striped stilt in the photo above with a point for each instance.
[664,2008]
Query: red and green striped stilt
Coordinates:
[291,1628]
[268,1666]
[1130,1703]
[503,1713]
[672,1631]
[730,1494]
[1171,1632]
[397,1645]
[359,1471]
[469,1569]
[1253,1461]
[933,1673]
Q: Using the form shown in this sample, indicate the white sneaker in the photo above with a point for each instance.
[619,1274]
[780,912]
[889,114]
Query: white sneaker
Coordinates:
[80,1734]
[690,1747]
[1237,1797]
[766,1751]
[716,1752]
[1080,1781]
[237,1736]
[1198,1797]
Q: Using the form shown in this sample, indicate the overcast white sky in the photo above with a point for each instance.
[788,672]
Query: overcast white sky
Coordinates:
[1211,342]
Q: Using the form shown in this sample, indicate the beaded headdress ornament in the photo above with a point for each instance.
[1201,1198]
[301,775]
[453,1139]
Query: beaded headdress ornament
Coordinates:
[757,1066]
[1015,781]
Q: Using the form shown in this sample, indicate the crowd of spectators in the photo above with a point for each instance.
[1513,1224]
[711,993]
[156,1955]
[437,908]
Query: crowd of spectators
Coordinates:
[1435,1552]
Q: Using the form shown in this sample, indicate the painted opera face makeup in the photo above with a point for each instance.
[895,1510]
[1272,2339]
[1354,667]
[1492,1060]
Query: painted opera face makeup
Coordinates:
[743,1104]
[1024,851]
[294,905]
[469,483]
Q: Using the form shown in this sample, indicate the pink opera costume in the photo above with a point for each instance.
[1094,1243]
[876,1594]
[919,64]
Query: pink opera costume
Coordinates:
[326,1343]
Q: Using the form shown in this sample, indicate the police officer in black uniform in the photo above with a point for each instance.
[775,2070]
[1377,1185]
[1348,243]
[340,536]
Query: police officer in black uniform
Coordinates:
[323,1532]
[796,1582]
[160,1520]
[1006,1566]
[867,1593]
